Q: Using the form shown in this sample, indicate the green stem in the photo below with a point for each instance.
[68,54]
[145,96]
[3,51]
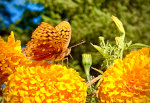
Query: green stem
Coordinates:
[122,47]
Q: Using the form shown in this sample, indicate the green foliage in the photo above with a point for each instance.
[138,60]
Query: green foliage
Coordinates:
[111,52]
[137,45]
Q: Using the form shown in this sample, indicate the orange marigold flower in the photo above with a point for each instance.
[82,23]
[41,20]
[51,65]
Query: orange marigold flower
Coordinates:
[44,84]
[128,80]
[10,57]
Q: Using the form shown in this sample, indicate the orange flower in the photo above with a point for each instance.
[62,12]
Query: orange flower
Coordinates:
[128,80]
[44,84]
[10,57]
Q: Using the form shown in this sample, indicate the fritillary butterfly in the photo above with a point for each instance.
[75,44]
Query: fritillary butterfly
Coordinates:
[49,43]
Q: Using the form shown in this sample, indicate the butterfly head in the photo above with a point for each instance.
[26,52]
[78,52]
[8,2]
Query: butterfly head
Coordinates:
[64,54]
[68,50]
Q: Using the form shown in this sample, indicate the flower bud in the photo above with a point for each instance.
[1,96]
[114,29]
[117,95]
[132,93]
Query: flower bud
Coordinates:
[118,24]
[87,62]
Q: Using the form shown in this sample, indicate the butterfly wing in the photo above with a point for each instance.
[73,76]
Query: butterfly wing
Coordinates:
[46,31]
[42,50]
[45,43]
[64,30]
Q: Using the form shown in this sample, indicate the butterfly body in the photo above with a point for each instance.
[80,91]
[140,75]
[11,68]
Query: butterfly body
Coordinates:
[49,43]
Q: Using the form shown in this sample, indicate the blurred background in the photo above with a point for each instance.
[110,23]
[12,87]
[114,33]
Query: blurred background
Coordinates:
[89,19]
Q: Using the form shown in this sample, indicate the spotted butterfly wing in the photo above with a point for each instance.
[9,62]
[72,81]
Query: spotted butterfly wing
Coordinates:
[48,42]
[64,30]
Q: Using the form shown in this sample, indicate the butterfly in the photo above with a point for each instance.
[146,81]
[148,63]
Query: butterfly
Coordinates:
[49,43]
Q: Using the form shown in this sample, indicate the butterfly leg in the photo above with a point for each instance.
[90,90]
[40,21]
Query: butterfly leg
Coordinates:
[63,60]
[67,62]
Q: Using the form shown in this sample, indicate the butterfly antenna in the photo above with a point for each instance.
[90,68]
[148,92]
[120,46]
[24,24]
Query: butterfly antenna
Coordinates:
[71,56]
[81,42]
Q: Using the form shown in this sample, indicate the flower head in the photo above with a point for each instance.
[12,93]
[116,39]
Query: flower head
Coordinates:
[44,84]
[10,57]
[128,80]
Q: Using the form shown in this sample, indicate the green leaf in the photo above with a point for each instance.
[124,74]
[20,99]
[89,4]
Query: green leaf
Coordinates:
[137,45]
[101,39]
[129,43]
[104,54]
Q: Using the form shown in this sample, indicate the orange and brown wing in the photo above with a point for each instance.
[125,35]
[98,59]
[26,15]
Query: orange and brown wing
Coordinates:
[45,43]
[42,50]
[64,30]
[45,31]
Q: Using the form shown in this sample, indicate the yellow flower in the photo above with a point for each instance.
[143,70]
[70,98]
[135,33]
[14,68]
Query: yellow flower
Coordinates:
[10,57]
[128,80]
[44,84]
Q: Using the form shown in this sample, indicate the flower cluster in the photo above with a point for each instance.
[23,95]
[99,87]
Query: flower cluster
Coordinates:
[128,80]
[37,82]
[10,57]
